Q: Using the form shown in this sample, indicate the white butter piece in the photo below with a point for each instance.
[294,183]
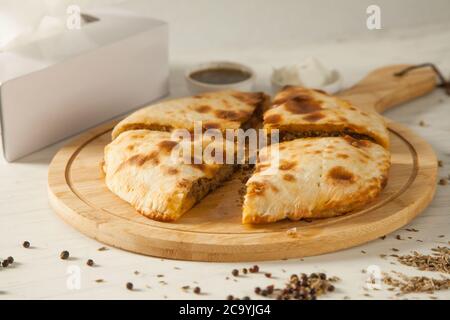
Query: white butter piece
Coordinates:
[309,73]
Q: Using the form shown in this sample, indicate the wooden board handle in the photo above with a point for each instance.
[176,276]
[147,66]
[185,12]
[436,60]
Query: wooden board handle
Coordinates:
[381,89]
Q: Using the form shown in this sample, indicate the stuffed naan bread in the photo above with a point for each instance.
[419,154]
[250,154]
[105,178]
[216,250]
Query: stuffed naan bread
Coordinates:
[298,113]
[314,178]
[143,168]
[216,110]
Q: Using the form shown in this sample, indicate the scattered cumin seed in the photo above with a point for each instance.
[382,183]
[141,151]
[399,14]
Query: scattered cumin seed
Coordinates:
[416,284]
[102,249]
[443,182]
[438,261]
[398,237]
[440,163]
[334,279]
[99,280]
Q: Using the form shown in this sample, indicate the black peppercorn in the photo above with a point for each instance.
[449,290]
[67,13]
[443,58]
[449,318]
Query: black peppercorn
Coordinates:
[90,262]
[129,286]
[235,272]
[197,290]
[10,259]
[26,244]
[64,255]
[269,289]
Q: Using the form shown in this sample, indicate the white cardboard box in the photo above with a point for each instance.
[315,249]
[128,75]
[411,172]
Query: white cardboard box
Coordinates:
[60,86]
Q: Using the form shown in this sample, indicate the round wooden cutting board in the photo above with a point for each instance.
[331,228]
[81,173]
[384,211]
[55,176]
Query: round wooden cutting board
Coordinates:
[212,230]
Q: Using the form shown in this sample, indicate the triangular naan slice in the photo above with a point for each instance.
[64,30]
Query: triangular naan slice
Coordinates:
[298,112]
[315,178]
[216,110]
[143,168]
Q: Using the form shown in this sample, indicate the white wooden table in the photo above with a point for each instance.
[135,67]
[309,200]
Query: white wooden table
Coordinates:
[25,214]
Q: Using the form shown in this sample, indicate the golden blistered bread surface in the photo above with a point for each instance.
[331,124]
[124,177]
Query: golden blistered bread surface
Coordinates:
[142,168]
[216,110]
[308,112]
[314,178]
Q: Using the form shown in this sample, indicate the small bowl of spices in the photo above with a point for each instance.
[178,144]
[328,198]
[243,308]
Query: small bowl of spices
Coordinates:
[220,75]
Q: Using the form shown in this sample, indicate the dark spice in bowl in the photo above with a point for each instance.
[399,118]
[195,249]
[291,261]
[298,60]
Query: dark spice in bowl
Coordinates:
[220,75]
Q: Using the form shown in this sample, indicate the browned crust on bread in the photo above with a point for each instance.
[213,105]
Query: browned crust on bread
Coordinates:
[158,216]
[336,175]
[297,109]
[236,118]
[365,197]
[140,126]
